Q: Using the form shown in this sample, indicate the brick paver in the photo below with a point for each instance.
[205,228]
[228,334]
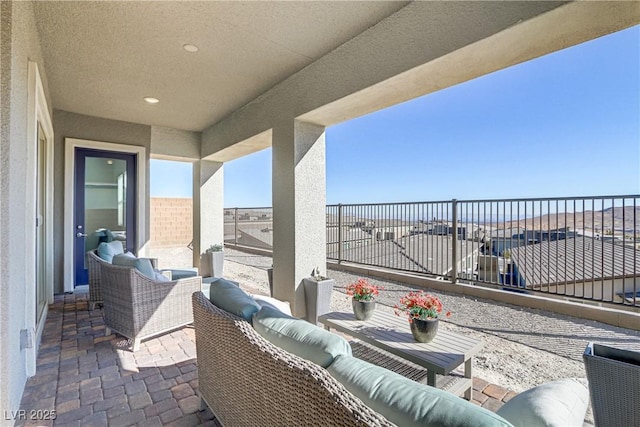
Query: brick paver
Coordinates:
[495,391]
[93,380]
[479,384]
[492,404]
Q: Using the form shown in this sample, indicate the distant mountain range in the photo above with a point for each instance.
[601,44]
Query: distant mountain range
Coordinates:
[614,219]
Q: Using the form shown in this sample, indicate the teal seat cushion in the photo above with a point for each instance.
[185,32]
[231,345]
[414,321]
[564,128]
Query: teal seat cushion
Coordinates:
[229,297]
[106,251]
[143,265]
[405,402]
[299,337]
[177,274]
[557,403]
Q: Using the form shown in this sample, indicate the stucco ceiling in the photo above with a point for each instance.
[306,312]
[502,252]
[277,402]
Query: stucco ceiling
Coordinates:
[102,58]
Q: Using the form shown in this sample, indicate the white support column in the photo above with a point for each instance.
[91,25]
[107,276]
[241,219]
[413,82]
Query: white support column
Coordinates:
[208,206]
[299,203]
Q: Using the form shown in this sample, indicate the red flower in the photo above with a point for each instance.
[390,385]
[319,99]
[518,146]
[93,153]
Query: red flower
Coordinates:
[362,290]
[420,305]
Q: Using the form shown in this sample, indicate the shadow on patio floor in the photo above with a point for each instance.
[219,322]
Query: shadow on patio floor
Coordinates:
[90,379]
[86,379]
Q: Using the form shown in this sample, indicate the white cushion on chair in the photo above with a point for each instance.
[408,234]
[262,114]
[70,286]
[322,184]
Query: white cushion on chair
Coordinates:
[265,301]
[557,403]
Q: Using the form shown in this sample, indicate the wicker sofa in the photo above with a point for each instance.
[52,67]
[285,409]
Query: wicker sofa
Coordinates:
[247,380]
[288,391]
[138,307]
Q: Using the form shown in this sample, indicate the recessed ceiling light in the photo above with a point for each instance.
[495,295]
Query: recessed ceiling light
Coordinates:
[190,47]
[151,100]
[109,162]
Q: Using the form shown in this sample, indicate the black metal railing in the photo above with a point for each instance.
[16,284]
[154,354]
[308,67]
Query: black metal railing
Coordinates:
[252,227]
[579,247]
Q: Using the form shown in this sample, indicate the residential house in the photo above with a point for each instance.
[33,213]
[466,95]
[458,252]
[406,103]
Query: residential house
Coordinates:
[208,82]
[257,237]
[580,266]
[417,253]
[349,237]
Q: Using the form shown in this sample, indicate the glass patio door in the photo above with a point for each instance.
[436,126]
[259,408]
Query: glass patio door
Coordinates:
[105,194]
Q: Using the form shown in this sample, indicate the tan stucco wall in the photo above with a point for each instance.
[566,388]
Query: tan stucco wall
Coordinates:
[71,125]
[19,45]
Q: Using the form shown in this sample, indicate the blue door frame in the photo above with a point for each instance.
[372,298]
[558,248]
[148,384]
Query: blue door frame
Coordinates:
[81,154]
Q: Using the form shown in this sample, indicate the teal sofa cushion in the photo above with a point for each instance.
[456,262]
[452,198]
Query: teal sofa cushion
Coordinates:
[405,402]
[143,265]
[299,337]
[230,297]
[106,251]
[557,403]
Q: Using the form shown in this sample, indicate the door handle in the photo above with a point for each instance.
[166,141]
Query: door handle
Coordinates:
[78,234]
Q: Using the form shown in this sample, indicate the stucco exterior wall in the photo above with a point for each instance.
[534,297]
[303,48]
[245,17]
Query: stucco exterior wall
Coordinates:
[20,45]
[71,125]
[167,143]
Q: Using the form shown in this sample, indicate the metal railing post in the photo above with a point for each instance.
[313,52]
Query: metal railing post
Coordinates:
[339,233]
[454,243]
[235,226]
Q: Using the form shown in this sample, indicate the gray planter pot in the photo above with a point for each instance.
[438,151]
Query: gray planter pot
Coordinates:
[317,295]
[363,310]
[424,330]
[212,264]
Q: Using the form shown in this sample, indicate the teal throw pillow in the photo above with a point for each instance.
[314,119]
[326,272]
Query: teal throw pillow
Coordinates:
[229,297]
[405,402]
[106,251]
[299,337]
[143,265]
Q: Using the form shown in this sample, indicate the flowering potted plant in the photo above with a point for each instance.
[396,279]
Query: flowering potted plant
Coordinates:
[363,295]
[423,311]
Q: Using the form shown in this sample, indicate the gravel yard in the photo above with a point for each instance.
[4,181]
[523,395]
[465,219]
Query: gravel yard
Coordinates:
[522,347]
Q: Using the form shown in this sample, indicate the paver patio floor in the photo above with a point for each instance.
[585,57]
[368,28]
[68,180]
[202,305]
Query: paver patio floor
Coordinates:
[90,379]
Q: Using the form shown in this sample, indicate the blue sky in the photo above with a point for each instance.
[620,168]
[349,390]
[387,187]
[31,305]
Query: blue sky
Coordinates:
[566,124]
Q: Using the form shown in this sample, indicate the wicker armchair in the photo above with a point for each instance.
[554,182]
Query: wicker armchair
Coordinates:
[94,262]
[248,381]
[614,385]
[138,307]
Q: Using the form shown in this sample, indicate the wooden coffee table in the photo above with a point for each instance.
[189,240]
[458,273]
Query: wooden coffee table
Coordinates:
[391,334]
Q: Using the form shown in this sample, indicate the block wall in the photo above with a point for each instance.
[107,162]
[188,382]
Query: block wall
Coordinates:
[171,221]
